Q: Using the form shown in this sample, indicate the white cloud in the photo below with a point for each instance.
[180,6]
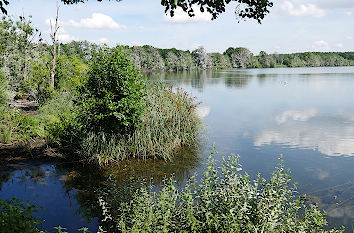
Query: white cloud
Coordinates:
[97,21]
[339,45]
[308,10]
[349,37]
[321,45]
[66,38]
[296,115]
[182,17]
[103,40]
[62,35]
[349,13]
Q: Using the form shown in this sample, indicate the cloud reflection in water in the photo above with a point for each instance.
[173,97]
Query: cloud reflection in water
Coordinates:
[330,135]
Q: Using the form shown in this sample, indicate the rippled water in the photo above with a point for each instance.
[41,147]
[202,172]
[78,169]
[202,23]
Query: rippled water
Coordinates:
[306,114]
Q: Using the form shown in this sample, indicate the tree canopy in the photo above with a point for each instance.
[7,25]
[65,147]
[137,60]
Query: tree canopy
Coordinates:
[252,9]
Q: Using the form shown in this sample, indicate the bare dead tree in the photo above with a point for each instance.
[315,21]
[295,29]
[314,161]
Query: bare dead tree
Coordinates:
[53,35]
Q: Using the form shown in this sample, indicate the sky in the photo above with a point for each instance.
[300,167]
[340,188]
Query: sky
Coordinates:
[291,26]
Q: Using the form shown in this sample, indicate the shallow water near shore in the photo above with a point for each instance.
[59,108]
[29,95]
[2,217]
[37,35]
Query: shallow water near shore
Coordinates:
[305,114]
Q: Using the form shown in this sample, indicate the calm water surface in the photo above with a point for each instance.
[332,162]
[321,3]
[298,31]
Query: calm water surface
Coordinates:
[306,114]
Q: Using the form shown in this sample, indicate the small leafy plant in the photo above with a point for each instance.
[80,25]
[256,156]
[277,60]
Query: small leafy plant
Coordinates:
[17,216]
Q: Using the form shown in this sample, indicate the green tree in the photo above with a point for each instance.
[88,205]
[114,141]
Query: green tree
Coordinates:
[202,59]
[240,57]
[220,61]
[112,96]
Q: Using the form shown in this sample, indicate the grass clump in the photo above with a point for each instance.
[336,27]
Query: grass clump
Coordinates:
[168,122]
[223,201]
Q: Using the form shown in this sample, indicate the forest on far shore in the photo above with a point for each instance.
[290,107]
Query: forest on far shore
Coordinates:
[149,58]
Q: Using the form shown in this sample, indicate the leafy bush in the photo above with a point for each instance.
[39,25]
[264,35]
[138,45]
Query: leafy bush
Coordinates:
[16,216]
[112,97]
[223,201]
[71,71]
[37,85]
[168,123]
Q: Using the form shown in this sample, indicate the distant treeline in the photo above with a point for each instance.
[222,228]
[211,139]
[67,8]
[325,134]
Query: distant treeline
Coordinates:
[150,58]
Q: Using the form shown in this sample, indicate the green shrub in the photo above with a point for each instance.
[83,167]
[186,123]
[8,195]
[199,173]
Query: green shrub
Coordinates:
[168,123]
[71,71]
[37,83]
[16,216]
[112,96]
[223,201]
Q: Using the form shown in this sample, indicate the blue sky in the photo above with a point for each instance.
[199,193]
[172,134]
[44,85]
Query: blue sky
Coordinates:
[291,26]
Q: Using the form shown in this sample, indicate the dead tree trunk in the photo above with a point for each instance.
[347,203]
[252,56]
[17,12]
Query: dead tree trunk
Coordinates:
[53,36]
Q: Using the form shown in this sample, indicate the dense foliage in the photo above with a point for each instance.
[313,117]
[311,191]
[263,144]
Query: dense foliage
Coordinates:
[112,96]
[224,200]
[16,216]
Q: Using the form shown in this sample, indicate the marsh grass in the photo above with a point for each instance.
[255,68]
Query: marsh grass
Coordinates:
[224,200]
[168,123]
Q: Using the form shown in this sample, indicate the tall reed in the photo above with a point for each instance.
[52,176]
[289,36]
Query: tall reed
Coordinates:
[168,123]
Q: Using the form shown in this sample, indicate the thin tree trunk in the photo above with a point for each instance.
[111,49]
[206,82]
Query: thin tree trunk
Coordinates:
[54,61]
[53,35]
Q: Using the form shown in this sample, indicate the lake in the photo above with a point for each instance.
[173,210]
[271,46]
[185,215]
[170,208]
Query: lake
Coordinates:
[304,114]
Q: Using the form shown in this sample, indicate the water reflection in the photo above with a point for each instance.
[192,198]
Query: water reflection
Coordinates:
[48,185]
[237,82]
[332,135]
[199,79]
[69,192]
